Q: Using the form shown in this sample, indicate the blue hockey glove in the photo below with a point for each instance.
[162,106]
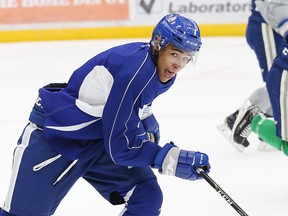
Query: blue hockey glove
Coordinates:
[143,135]
[152,129]
[148,136]
[181,163]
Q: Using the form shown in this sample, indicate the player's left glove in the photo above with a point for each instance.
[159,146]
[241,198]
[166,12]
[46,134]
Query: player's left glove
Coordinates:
[275,14]
[170,160]
[151,127]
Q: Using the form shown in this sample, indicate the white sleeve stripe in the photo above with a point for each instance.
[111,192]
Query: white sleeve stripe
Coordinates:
[73,127]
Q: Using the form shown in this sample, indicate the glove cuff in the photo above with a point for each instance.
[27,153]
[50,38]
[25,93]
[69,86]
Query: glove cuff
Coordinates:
[166,159]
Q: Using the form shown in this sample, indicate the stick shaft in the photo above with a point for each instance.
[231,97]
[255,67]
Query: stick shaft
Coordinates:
[228,199]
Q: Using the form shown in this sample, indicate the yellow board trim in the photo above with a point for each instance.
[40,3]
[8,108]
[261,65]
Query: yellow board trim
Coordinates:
[110,33]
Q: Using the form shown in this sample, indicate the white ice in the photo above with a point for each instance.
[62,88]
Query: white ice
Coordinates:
[226,74]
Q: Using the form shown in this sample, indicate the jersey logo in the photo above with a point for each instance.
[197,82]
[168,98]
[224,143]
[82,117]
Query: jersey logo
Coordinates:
[38,102]
[145,111]
[285,51]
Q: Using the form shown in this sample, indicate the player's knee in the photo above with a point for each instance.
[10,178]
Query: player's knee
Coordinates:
[146,199]
[153,193]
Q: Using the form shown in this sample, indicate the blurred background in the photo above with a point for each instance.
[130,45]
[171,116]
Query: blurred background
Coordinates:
[30,20]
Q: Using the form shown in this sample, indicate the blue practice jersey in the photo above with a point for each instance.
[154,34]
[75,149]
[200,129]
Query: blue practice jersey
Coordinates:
[104,102]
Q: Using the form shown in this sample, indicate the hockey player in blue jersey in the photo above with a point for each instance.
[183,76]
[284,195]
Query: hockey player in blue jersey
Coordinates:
[100,127]
[271,130]
[265,42]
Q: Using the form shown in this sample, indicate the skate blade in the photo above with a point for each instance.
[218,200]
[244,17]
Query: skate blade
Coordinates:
[226,132]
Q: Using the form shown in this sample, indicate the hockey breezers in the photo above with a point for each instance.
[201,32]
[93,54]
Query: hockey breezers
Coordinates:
[229,200]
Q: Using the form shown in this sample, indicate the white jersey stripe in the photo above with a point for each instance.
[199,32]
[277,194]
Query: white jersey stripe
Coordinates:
[269,44]
[284,105]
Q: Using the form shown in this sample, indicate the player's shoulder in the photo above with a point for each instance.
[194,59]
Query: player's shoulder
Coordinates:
[133,48]
[131,54]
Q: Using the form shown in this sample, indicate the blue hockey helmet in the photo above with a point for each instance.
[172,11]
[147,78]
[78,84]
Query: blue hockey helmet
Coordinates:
[181,32]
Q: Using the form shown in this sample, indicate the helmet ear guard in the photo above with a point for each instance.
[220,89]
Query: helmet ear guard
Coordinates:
[156,42]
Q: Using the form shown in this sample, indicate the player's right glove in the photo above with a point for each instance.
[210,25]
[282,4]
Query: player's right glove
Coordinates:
[274,12]
[170,160]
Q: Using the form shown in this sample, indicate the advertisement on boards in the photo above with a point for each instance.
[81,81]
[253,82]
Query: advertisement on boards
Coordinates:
[71,19]
[41,11]
[127,12]
[204,11]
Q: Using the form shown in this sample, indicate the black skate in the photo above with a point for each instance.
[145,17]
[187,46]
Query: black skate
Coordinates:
[242,126]
[231,123]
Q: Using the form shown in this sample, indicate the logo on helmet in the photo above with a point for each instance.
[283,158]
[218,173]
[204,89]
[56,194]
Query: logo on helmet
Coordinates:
[192,43]
[171,19]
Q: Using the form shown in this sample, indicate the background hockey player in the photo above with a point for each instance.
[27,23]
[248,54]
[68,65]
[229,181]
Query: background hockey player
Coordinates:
[265,42]
[273,131]
[100,126]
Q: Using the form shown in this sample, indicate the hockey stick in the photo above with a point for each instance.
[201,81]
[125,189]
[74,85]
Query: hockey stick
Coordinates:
[229,200]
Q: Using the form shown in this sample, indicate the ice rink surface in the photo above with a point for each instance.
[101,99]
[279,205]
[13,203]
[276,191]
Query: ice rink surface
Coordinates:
[226,73]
